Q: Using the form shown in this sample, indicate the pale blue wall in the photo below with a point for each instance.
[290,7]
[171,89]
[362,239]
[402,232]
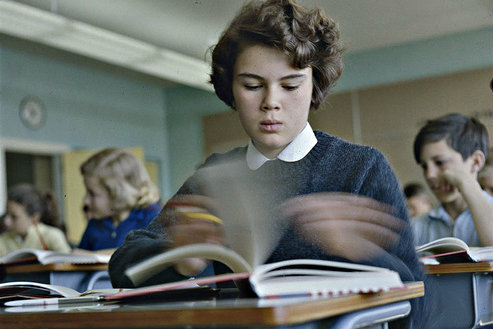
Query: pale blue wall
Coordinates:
[416,60]
[186,108]
[86,107]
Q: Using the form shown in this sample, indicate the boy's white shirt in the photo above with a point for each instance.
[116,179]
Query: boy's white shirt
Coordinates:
[295,151]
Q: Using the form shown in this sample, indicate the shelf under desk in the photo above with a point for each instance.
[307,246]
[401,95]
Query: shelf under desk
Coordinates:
[462,294]
[230,312]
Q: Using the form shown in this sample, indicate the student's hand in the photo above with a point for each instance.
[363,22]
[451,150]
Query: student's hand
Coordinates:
[457,179]
[184,229]
[345,225]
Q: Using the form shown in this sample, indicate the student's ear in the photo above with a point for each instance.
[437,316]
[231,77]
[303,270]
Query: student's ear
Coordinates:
[478,160]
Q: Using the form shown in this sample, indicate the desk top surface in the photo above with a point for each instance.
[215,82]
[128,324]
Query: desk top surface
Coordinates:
[62,267]
[459,268]
[225,312]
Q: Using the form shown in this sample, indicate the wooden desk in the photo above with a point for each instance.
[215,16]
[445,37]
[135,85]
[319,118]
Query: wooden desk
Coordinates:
[459,268]
[13,269]
[229,312]
[462,294]
[80,277]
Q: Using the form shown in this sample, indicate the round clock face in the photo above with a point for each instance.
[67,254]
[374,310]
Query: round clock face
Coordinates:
[32,112]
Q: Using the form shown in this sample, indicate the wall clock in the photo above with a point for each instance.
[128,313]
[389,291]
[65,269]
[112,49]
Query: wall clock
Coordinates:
[32,112]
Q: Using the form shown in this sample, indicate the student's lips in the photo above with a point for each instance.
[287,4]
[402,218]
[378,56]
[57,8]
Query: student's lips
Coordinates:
[442,188]
[270,126]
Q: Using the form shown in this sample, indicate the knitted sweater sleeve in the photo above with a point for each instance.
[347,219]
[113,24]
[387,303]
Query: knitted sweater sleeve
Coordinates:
[381,183]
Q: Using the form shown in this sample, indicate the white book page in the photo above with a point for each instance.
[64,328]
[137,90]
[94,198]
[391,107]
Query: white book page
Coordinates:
[22,285]
[482,253]
[443,245]
[52,257]
[250,229]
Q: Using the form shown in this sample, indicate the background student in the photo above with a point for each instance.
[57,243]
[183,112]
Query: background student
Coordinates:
[452,150]
[273,64]
[120,197]
[24,222]
[418,200]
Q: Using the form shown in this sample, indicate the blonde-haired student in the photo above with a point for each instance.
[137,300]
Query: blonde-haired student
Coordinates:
[120,197]
[27,222]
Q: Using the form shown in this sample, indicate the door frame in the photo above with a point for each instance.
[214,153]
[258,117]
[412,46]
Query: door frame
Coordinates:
[30,147]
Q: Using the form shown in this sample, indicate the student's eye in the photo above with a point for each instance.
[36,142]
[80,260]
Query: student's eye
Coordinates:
[424,166]
[440,163]
[291,88]
[252,87]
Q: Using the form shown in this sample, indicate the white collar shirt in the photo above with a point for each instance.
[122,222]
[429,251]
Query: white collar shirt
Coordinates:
[295,151]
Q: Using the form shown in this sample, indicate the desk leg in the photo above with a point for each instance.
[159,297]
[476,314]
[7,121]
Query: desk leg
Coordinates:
[72,279]
[452,300]
[482,284]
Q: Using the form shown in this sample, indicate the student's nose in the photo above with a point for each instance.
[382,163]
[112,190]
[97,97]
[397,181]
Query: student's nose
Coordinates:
[85,201]
[431,172]
[7,222]
[271,99]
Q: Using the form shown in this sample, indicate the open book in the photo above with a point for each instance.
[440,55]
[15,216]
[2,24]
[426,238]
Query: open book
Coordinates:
[251,224]
[307,277]
[27,293]
[297,277]
[51,257]
[452,250]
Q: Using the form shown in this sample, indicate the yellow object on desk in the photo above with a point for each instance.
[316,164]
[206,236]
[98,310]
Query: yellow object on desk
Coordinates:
[203,215]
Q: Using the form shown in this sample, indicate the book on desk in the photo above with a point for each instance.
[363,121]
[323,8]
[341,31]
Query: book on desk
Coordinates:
[25,256]
[452,250]
[297,277]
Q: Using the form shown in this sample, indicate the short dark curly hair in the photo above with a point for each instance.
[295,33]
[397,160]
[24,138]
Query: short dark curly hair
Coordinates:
[308,37]
[462,133]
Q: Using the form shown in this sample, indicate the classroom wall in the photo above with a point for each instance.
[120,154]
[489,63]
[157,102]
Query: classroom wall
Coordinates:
[88,106]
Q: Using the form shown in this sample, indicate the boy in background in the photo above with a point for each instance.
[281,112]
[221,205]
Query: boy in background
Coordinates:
[418,200]
[452,150]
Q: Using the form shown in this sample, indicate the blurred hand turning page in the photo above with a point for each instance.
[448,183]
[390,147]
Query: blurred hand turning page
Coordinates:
[249,211]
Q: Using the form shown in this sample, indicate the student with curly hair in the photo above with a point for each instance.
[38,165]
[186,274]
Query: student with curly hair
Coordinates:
[120,197]
[273,64]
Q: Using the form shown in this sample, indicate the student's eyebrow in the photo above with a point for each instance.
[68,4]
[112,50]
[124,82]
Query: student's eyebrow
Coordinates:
[258,77]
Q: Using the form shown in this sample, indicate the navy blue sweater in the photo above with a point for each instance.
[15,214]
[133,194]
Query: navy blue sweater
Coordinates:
[332,165]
